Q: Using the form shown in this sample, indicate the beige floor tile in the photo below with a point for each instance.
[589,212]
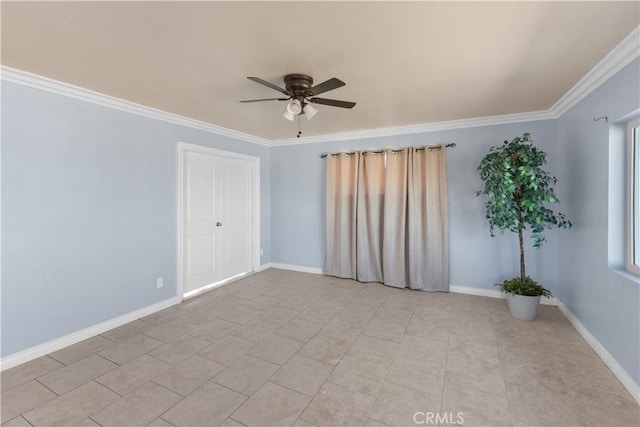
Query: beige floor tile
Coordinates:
[603,408]
[81,350]
[299,330]
[127,350]
[325,349]
[72,407]
[531,407]
[298,302]
[163,316]
[214,330]
[320,315]
[417,374]
[133,374]
[256,330]
[385,330]
[189,375]
[358,316]
[171,330]
[302,374]
[374,349]
[87,422]
[27,371]
[77,373]
[361,375]
[228,302]
[395,315]
[20,399]
[400,302]
[271,405]
[240,315]
[159,422]
[263,303]
[480,330]
[202,316]
[276,349]
[302,423]
[128,331]
[278,315]
[431,353]
[139,407]
[477,408]
[246,374]
[397,405]
[17,422]
[373,423]
[462,302]
[227,350]
[197,410]
[179,349]
[335,405]
[428,330]
[231,423]
[475,373]
[336,328]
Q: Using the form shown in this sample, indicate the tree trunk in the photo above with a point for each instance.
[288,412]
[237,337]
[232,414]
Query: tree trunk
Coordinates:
[522,272]
[518,201]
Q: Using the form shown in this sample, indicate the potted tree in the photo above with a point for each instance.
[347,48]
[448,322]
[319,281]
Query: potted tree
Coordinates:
[518,191]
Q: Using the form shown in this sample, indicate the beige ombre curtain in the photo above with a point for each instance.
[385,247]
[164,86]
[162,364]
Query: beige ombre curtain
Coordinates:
[395,219]
[370,213]
[341,192]
[387,218]
[428,246]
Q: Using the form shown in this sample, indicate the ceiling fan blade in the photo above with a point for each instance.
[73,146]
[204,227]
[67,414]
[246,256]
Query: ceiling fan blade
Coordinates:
[333,102]
[266,99]
[323,87]
[271,85]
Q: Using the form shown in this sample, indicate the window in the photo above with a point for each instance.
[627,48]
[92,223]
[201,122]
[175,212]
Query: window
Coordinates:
[633,197]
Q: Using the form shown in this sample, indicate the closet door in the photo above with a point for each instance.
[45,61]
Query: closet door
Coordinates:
[218,218]
[201,215]
[236,183]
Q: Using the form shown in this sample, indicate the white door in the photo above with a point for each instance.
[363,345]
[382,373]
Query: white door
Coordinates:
[236,195]
[218,209]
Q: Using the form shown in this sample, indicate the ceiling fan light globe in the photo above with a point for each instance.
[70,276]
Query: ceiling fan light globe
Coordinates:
[287,115]
[294,107]
[309,111]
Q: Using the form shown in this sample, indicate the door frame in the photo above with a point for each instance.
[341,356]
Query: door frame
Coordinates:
[255,170]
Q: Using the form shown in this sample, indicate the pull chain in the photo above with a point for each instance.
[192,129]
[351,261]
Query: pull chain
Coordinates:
[299,126]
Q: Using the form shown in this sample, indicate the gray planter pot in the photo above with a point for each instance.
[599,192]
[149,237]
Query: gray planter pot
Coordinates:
[523,307]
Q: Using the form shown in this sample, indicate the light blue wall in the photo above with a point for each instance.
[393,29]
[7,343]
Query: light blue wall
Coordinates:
[89,212]
[605,301]
[476,259]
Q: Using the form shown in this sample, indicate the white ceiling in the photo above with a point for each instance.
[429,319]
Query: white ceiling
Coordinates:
[403,63]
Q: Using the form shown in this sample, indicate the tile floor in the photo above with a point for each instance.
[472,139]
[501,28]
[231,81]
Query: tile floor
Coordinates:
[282,348]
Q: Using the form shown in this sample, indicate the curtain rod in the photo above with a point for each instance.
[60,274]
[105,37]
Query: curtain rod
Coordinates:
[433,147]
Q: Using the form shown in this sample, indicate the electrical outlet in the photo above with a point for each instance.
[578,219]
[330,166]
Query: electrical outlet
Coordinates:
[159,282]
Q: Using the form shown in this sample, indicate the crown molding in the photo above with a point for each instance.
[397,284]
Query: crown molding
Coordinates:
[420,128]
[621,56]
[35,81]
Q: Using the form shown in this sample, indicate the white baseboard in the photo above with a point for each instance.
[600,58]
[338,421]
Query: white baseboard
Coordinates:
[75,337]
[607,358]
[492,293]
[300,268]
[265,266]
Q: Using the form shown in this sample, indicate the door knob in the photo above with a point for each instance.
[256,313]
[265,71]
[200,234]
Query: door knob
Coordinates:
[218,224]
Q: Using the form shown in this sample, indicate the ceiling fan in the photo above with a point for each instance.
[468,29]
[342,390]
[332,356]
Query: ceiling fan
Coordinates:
[300,93]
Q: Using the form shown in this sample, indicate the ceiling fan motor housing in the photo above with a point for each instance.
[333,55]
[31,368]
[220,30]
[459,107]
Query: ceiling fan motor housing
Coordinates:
[299,85]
